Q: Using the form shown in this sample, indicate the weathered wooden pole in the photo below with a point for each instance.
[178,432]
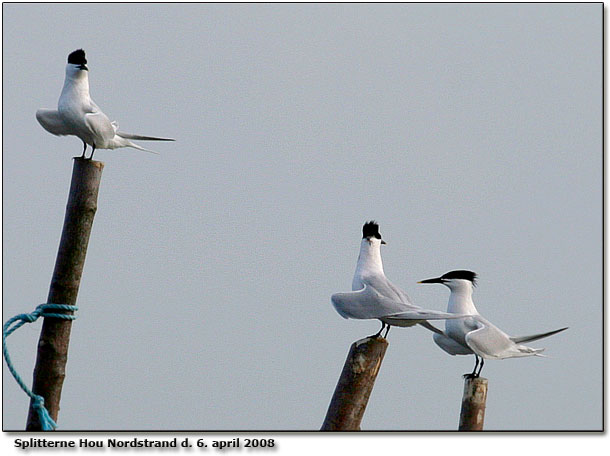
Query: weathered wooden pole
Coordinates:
[49,371]
[355,385]
[473,404]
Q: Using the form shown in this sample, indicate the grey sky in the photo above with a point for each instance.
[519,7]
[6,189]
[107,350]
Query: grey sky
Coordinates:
[471,133]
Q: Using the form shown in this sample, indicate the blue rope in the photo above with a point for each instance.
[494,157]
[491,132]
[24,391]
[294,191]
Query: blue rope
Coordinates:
[17,322]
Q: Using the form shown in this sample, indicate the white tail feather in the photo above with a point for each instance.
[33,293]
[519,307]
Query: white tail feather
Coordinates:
[135,146]
[142,138]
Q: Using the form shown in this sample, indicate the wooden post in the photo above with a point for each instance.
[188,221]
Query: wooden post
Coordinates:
[355,385]
[49,371]
[473,404]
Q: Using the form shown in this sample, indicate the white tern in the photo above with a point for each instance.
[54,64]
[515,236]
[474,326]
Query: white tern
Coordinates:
[474,335]
[374,296]
[78,115]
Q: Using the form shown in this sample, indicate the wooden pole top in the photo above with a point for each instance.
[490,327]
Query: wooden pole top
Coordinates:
[355,384]
[472,415]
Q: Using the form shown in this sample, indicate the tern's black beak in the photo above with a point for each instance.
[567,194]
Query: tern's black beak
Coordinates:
[383,242]
[436,280]
[82,66]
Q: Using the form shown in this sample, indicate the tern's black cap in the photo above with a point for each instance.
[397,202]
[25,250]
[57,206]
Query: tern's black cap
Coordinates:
[452,275]
[371,229]
[461,274]
[77,57]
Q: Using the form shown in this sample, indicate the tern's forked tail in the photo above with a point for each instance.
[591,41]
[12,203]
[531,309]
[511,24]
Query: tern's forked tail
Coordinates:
[135,146]
[123,140]
[141,138]
[521,339]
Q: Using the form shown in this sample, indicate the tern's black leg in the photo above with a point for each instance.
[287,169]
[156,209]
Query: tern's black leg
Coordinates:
[91,156]
[387,330]
[380,331]
[476,364]
[474,374]
[480,367]
[84,149]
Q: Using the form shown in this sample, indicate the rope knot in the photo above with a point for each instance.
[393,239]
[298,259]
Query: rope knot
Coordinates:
[46,422]
[29,318]
[38,402]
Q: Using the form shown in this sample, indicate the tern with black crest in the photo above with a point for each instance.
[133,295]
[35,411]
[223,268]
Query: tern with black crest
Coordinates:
[375,297]
[474,335]
[78,115]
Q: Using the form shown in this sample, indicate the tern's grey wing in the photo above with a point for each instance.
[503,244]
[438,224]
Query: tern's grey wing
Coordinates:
[487,340]
[490,342]
[52,121]
[366,303]
[100,126]
[98,123]
[386,288]
[417,313]
[521,339]
[390,293]
[450,345]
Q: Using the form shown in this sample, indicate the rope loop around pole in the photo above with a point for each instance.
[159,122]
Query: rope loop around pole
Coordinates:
[17,322]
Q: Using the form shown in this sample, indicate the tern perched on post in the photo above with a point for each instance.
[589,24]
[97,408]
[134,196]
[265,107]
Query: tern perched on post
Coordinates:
[475,335]
[375,297]
[78,115]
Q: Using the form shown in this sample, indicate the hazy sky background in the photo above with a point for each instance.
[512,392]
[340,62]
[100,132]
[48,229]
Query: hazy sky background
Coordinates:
[472,133]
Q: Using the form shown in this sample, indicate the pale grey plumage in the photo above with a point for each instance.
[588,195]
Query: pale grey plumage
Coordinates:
[369,303]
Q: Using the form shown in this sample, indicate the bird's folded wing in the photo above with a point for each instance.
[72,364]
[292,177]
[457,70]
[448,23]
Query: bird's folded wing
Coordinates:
[100,125]
[387,289]
[51,121]
[450,346]
[423,314]
[366,303]
[488,341]
[521,339]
